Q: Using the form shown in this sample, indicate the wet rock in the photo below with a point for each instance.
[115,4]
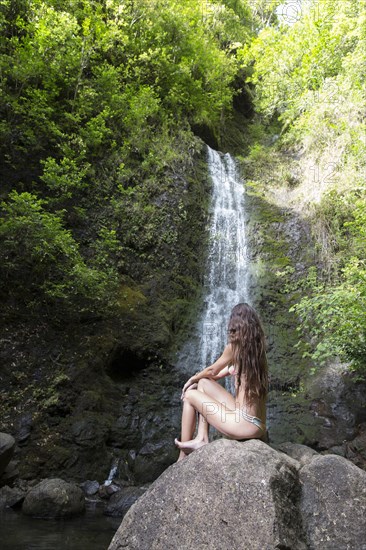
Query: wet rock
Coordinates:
[11,497]
[124,474]
[335,404]
[90,400]
[355,450]
[209,501]
[339,450]
[90,430]
[54,498]
[153,459]
[121,501]
[301,453]
[107,490]
[333,503]
[125,430]
[25,428]
[90,488]
[7,446]
[10,473]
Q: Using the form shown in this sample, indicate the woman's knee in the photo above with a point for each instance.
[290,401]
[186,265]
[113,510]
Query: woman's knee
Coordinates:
[187,398]
[203,383]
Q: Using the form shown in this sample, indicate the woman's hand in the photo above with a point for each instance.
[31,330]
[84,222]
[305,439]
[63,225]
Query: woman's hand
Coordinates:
[189,385]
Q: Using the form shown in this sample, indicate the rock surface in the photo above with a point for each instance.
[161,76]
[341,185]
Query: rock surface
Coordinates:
[54,498]
[7,445]
[122,501]
[10,497]
[253,497]
[89,487]
[225,495]
[301,453]
[333,504]
[355,450]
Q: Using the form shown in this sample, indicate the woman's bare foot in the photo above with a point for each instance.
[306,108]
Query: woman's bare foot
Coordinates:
[181,456]
[189,446]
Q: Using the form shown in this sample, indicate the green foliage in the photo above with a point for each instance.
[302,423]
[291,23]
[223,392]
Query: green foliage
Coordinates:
[292,65]
[41,265]
[335,317]
[332,311]
[310,78]
[99,161]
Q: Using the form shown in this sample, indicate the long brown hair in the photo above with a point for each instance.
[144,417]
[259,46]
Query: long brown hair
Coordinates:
[247,340]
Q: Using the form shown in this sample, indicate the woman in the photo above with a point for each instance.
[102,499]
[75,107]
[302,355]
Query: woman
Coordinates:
[239,417]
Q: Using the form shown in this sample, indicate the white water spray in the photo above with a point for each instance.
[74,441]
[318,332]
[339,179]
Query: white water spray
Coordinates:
[226,279]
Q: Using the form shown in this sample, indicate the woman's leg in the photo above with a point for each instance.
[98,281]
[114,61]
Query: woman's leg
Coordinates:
[203,426]
[202,432]
[212,391]
[217,392]
[188,425]
[224,418]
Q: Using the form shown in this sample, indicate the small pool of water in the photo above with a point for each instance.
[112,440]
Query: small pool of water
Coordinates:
[92,531]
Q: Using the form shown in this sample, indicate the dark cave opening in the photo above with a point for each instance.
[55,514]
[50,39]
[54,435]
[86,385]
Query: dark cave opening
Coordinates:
[126,363]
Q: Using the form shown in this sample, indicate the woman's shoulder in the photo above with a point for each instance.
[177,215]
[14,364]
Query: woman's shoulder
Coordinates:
[228,351]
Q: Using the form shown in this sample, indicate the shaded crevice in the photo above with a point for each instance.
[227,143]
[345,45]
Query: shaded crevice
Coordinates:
[125,363]
[291,532]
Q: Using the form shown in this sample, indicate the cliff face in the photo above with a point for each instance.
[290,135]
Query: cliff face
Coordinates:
[251,496]
[73,393]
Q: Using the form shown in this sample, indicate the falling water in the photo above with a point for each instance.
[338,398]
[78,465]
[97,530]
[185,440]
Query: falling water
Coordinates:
[113,472]
[226,279]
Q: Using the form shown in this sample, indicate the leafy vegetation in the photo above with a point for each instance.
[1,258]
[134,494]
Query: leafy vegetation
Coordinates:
[308,82]
[103,194]
[103,188]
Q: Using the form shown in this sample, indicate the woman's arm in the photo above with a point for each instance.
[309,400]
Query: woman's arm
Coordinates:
[224,372]
[213,370]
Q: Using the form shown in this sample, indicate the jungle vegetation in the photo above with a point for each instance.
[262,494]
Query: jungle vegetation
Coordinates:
[103,193]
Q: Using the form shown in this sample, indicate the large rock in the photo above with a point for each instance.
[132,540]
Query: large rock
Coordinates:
[225,495]
[7,445]
[122,501]
[54,498]
[333,504]
[10,473]
[355,450]
[10,497]
[152,460]
[250,496]
[301,453]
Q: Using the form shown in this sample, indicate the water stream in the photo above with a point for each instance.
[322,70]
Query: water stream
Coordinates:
[226,279]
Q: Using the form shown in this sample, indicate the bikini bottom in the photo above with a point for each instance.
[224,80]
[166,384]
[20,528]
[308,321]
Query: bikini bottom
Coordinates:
[253,420]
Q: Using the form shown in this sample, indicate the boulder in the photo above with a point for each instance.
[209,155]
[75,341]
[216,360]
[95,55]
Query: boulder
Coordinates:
[90,430]
[107,489]
[228,494]
[10,473]
[152,459]
[89,487]
[11,497]
[121,502]
[7,446]
[333,503]
[54,498]
[24,428]
[301,453]
[355,450]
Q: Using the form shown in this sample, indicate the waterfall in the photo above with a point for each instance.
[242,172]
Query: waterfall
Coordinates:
[113,472]
[226,274]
